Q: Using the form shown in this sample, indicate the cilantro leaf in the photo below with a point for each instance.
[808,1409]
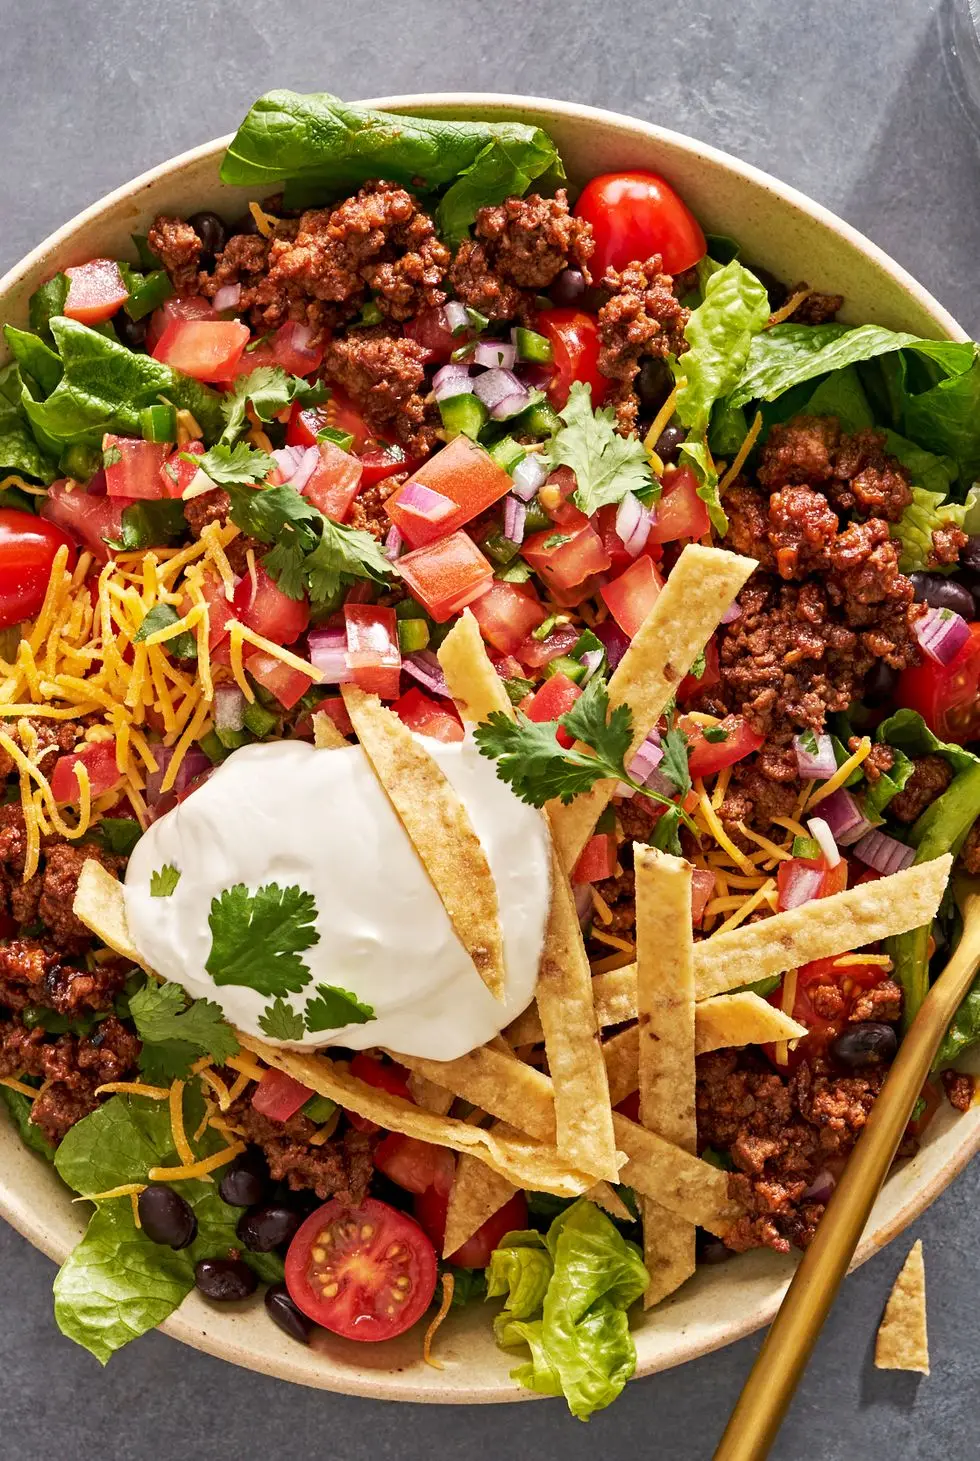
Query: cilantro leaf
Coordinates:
[150,523]
[334,1007]
[161,616]
[674,764]
[119,834]
[589,721]
[174,1036]
[233,466]
[281,1022]
[257,938]
[665,835]
[268,390]
[272,512]
[518,689]
[164,880]
[606,465]
[343,555]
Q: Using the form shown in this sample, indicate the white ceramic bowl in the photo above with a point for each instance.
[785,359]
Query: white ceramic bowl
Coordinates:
[796,239]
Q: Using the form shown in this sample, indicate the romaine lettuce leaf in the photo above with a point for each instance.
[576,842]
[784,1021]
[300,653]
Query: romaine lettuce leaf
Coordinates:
[19,452]
[720,332]
[521,1268]
[926,512]
[19,1109]
[696,454]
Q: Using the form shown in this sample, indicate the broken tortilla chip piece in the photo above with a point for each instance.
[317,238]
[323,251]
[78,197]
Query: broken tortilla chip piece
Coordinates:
[441,832]
[701,586]
[903,1338]
[477,1193]
[665,1047]
[101,905]
[473,682]
[326,734]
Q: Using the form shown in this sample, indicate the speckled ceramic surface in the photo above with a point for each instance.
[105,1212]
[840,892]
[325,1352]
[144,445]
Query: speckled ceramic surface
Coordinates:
[796,239]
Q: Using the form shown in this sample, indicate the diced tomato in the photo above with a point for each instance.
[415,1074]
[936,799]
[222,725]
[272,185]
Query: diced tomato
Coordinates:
[431,1206]
[634,215]
[447,575]
[702,887]
[605,523]
[282,681]
[851,979]
[631,596]
[553,699]
[289,348]
[334,482]
[88,519]
[463,473]
[176,475]
[334,706]
[507,613]
[681,513]
[555,498]
[365,1273]
[385,1075]
[430,329]
[208,350]
[535,653]
[305,422]
[428,717]
[690,686]
[802,879]
[946,696]
[99,760]
[95,291]
[133,466]
[597,859]
[186,307]
[706,757]
[278,1096]
[220,608]
[381,459]
[28,546]
[372,649]
[261,604]
[565,560]
[574,337]
[415,1165]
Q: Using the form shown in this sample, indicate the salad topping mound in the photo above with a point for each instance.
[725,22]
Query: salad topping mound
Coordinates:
[488,681]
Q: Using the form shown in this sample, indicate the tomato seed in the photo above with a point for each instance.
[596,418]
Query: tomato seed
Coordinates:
[319,1254]
[330,1290]
[367,1231]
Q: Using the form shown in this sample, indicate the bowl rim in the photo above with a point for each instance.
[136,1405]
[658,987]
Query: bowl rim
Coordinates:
[371,1383]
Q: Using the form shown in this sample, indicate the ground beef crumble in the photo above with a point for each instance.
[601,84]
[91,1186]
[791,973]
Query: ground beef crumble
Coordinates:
[70,1067]
[179,249]
[340,1168]
[385,373]
[518,250]
[930,778]
[642,316]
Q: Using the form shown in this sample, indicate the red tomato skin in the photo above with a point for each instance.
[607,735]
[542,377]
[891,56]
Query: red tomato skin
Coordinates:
[574,337]
[430,1208]
[87,518]
[563,566]
[137,472]
[287,349]
[680,513]
[834,878]
[706,757]
[372,649]
[334,482]
[605,524]
[188,307]
[99,760]
[207,350]
[555,498]
[506,614]
[262,606]
[597,860]
[446,575]
[288,685]
[462,472]
[95,291]
[946,696]
[430,330]
[349,1313]
[278,1096]
[702,888]
[631,596]
[635,215]
[386,1076]
[428,717]
[415,1165]
[535,653]
[690,687]
[378,459]
[553,699]
[176,475]
[28,546]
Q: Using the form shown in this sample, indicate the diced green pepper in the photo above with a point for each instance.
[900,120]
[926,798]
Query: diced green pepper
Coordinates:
[537,519]
[500,549]
[563,664]
[539,420]
[409,609]
[463,416]
[543,630]
[319,1109]
[232,739]
[586,643]
[158,423]
[413,634]
[80,461]
[532,346]
[806,847]
[507,453]
[146,291]
[213,747]
[259,720]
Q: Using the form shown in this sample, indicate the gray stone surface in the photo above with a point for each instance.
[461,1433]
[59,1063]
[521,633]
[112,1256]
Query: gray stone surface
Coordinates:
[850,100]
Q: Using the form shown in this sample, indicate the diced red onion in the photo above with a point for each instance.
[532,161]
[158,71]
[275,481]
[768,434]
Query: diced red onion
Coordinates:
[592,659]
[452,380]
[423,666]
[229,708]
[192,765]
[647,759]
[885,854]
[802,888]
[529,475]
[515,516]
[659,782]
[568,287]
[818,765]
[821,1188]
[455,316]
[583,901]
[941,634]
[495,354]
[393,543]
[227,297]
[297,464]
[501,392]
[328,651]
[510,406]
[423,503]
[844,817]
[733,612]
[633,522]
[614,640]
[821,833]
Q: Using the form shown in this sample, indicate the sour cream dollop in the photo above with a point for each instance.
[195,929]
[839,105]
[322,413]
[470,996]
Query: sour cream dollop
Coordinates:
[287,813]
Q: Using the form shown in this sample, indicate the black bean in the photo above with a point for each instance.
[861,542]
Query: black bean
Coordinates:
[212,233]
[282,1311]
[668,445]
[244,225]
[940,592]
[166,1217]
[569,287]
[653,384]
[970,555]
[246,1180]
[266,1228]
[225,1280]
[880,684]
[711,1249]
[131,332]
[867,1043]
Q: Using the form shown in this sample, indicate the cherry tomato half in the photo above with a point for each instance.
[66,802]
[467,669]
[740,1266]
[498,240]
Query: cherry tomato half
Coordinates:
[366,1273]
[946,696]
[635,215]
[386,1076]
[28,545]
[574,337]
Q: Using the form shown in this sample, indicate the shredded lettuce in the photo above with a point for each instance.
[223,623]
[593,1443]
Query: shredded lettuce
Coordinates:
[926,512]
[720,333]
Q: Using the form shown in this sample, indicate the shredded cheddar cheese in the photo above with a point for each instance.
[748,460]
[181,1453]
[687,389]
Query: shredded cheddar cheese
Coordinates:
[264,222]
[741,456]
[20,1087]
[601,906]
[789,308]
[613,941]
[747,907]
[197,1171]
[709,817]
[786,1003]
[662,420]
[133,1088]
[848,961]
[181,1144]
[779,853]
[841,774]
[128,1189]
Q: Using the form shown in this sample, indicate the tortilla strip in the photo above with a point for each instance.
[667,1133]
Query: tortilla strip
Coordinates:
[326,735]
[564,989]
[441,832]
[525,1098]
[665,1041]
[477,1193]
[99,903]
[903,1338]
[428,1095]
[529,1164]
[702,585]
[740,1019]
[607,1197]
